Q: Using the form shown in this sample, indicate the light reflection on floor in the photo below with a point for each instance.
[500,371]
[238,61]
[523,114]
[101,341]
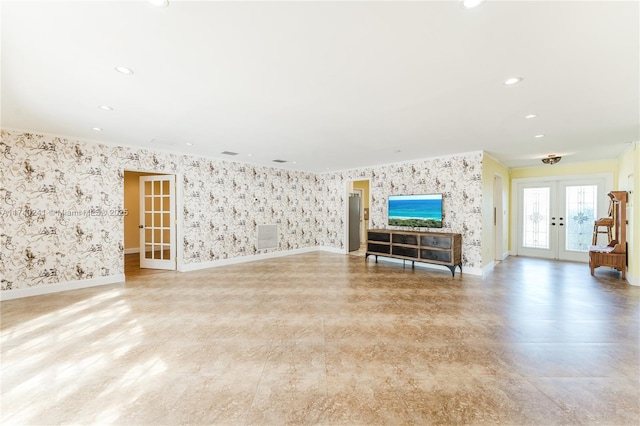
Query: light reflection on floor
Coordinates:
[323,339]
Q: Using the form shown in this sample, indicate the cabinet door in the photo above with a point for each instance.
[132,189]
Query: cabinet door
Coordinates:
[378,248]
[405,239]
[437,255]
[405,251]
[379,236]
[433,241]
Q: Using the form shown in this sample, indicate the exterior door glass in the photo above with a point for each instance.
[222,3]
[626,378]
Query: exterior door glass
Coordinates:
[535,230]
[581,212]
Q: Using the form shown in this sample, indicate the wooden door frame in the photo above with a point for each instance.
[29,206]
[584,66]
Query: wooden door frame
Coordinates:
[361,193]
[179,201]
[498,222]
[348,190]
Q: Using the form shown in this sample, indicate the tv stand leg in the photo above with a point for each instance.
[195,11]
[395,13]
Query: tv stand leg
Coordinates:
[453,269]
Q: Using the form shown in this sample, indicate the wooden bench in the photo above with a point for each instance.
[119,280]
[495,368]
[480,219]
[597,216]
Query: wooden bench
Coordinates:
[614,254]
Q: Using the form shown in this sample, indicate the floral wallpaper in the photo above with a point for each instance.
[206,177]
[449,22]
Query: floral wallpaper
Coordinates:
[61,205]
[458,178]
[61,208]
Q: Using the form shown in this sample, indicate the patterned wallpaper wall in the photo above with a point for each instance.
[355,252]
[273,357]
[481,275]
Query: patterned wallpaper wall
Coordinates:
[61,208]
[458,178]
[61,205]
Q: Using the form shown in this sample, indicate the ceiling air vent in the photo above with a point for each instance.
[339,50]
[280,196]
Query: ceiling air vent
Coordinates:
[279,161]
[229,153]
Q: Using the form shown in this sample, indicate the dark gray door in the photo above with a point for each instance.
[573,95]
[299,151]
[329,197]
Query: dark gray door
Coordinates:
[354,222]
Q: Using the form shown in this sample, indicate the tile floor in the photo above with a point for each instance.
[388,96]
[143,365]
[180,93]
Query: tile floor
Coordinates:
[322,338]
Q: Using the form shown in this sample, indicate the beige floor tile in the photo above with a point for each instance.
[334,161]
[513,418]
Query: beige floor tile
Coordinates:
[327,339]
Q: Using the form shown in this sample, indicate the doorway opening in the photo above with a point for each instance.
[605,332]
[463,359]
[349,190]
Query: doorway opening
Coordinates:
[150,225]
[498,219]
[554,217]
[357,216]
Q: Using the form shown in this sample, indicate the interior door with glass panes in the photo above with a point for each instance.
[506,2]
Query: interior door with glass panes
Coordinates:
[157,222]
[555,219]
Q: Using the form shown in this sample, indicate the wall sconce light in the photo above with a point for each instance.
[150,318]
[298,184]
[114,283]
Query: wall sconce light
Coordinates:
[551,159]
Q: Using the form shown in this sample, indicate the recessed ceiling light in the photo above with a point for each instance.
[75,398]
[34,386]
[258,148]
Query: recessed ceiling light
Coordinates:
[249,155]
[539,136]
[106,108]
[512,80]
[530,116]
[188,144]
[124,70]
[97,129]
[294,162]
[470,4]
[159,3]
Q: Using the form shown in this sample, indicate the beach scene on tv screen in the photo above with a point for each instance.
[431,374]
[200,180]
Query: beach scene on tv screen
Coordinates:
[416,210]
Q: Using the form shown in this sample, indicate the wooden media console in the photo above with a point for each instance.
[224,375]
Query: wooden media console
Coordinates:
[428,247]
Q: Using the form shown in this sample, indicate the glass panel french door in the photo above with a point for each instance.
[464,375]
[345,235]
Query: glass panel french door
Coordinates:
[157,222]
[555,219]
[536,215]
[580,211]
[536,236]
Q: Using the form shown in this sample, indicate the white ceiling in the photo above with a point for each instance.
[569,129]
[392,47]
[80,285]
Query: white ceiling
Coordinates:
[329,85]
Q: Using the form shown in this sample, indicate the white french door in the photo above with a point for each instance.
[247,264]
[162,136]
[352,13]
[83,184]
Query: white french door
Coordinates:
[555,218]
[157,222]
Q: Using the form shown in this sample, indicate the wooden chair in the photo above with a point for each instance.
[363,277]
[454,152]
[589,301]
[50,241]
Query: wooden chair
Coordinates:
[607,223]
[615,253]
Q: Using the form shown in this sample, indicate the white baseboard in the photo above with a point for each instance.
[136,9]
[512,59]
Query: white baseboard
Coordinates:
[253,257]
[55,288]
[633,280]
[473,271]
[488,268]
[331,250]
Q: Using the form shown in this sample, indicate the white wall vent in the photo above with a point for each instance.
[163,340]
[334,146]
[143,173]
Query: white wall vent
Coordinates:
[267,236]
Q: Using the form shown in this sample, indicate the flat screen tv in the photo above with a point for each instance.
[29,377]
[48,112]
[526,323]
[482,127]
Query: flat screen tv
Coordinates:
[418,211]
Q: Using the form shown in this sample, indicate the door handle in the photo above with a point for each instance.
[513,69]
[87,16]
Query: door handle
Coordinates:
[141,226]
[553,223]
